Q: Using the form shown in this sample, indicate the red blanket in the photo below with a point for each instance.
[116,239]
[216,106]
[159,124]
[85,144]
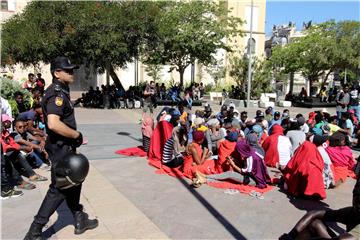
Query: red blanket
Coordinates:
[303,174]
[207,169]
[158,139]
[226,148]
[134,151]
[270,146]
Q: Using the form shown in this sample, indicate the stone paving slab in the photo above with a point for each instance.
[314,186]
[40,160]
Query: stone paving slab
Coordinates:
[118,217]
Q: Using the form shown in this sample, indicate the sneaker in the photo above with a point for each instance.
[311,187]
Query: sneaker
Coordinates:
[44,167]
[11,194]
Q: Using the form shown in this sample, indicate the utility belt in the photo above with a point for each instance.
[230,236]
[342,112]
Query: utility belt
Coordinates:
[59,141]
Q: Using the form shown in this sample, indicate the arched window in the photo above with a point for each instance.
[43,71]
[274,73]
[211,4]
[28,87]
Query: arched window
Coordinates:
[253,45]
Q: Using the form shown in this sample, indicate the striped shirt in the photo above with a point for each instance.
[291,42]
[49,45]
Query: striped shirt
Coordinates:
[168,151]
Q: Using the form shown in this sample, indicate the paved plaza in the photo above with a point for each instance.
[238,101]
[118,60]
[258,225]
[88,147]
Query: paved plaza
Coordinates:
[131,201]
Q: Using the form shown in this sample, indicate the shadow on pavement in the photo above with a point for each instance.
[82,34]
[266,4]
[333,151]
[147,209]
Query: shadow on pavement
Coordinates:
[129,135]
[64,219]
[216,214]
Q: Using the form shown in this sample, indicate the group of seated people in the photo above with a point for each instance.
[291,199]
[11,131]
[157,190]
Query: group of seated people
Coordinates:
[22,145]
[113,97]
[310,155]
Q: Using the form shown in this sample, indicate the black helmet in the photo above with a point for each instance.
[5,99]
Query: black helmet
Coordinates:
[71,170]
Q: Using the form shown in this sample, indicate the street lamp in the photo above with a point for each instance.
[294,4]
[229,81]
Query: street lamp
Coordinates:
[249,50]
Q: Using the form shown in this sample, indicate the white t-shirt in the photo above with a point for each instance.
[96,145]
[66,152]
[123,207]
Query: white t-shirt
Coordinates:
[284,148]
[5,107]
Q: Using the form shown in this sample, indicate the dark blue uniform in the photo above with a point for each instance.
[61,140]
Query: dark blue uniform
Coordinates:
[56,100]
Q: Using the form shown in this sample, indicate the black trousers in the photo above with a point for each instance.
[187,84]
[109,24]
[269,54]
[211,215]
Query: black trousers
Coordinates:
[54,196]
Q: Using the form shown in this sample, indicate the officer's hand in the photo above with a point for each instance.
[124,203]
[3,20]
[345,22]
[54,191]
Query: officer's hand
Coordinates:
[78,141]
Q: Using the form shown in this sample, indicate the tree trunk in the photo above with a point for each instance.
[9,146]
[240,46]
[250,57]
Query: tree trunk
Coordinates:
[114,77]
[291,85]
[181,72]
[325,79]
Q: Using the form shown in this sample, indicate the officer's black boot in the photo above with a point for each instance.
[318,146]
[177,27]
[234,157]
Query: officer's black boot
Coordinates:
[83,223]
[35,232]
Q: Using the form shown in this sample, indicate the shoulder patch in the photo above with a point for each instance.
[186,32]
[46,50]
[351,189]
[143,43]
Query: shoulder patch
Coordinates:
[59,101]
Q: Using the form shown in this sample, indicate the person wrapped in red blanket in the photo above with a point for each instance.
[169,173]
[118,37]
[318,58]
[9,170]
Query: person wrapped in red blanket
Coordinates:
[304,173]
[341,157]
[195,158]
[226,148]
[277,148]
[158,139]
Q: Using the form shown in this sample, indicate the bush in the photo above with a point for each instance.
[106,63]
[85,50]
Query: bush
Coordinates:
[7,90]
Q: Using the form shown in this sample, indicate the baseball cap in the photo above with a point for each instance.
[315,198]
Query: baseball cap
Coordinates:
[259,114]
[5,117]
[62,63]
[277,113]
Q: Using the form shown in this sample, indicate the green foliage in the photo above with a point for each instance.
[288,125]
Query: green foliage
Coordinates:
[8,88]
[239,69]
[154,71]
[261,74]
[101,34]
[217,70]
[324,48]
[189,31]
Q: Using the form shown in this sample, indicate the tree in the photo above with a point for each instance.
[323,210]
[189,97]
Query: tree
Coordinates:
[261,74]
[239,70]
[189,31]
[217,70]
[325,48]
[106,35]
[154,71]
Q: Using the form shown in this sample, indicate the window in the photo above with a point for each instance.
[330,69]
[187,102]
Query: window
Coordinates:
[4,5]
[251,45]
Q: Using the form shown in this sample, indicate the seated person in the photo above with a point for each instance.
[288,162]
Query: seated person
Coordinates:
[252,140]
[184,114]
[254,167]
[277,148]
[27,145]
[226,148]
[340,156]
[313,225]
[321,143]
[304,172]
[175,147]
[296,136]
[147,128]
[216,135]
[195,156]
[13,154]
[29,117]
[347,126]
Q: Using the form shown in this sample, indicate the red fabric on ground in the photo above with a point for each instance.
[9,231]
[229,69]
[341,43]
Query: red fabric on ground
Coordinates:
[206,168]
[240,187]
[134,151]
[270,146]
[161,134]
[340,173]
[303,173]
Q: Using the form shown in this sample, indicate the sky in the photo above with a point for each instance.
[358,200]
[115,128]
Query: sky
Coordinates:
[281,12]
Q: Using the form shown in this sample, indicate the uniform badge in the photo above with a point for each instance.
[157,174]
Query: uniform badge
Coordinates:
[58,101]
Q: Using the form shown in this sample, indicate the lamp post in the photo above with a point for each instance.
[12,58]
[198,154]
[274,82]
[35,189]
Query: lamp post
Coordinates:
[249,66]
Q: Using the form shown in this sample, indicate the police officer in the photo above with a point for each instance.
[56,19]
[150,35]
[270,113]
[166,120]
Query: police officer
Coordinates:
[62,139]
